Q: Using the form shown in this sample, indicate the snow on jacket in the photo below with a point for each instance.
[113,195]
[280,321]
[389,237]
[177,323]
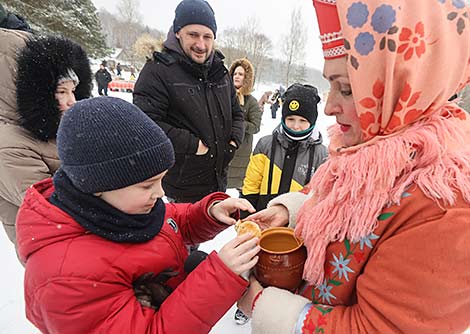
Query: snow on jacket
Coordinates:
[398,279]
[191,105]
[255,184]
[78,282]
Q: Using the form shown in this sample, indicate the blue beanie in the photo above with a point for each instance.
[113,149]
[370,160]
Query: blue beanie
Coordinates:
[194,12]
[106,143]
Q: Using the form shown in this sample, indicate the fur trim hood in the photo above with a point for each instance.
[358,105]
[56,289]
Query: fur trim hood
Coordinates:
[40,65]
[248,82]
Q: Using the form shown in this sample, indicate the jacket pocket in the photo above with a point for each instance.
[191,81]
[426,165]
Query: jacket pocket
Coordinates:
[197,169]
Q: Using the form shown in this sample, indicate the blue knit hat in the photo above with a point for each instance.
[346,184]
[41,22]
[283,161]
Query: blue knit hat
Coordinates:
[106,143]
[194,12]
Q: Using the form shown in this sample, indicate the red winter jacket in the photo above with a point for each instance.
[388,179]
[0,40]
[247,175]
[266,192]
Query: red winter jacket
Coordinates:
[78,282]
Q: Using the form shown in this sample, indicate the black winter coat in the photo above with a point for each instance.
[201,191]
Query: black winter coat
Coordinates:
[103,77]
[191,103]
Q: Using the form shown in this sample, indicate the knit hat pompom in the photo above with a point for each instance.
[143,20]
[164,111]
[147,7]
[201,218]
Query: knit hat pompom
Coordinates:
[106,143]
[194,12]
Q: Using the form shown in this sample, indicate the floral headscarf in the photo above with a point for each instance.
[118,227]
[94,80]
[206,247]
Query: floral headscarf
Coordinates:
[405,60]
[417,54]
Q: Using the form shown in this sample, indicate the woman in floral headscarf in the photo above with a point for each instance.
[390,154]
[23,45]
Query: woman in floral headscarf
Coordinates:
[386,220]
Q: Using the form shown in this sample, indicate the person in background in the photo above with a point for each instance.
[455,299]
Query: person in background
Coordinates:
[187,90]
[103,78]
[90,233]
[286,160]
[242,73]
[132,69]
[276,101]
[386,220]
[51,74]
[118,69]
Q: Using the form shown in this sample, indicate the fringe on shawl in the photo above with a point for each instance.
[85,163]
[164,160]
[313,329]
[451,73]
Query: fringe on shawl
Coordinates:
[351,190]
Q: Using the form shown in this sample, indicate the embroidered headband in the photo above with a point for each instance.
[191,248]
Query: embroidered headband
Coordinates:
[331,35]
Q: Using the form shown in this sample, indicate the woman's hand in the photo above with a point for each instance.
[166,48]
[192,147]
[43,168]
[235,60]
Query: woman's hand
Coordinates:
[274,216]
[245,303]
[223,210]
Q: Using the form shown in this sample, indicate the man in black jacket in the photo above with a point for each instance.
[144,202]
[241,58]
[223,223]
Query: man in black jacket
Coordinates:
[187,91]
[103,78]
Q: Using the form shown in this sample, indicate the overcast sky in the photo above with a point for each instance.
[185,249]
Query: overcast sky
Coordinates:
[273,17]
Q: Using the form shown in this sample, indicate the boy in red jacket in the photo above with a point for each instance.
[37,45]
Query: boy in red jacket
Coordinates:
[87,235]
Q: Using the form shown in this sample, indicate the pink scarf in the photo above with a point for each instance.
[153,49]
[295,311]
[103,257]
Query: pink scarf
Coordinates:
[405,59]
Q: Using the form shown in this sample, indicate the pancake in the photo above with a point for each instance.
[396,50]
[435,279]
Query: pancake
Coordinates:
[247,226]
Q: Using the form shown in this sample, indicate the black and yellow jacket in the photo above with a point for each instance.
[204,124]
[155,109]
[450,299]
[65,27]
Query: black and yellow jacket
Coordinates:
[264,173]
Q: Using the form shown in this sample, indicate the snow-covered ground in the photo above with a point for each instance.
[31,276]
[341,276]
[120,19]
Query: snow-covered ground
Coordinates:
[12,316]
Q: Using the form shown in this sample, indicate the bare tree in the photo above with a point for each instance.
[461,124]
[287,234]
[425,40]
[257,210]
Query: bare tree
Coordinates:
[130,17]
[247,41]
[230,43]
[129,10]
[117,31]
[293,47]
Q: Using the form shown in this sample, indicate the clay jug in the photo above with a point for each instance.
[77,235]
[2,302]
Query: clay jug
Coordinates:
[281,259]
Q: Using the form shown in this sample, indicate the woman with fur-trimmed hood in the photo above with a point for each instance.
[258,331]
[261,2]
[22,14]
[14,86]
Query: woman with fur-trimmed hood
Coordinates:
[52,73]
[242,73]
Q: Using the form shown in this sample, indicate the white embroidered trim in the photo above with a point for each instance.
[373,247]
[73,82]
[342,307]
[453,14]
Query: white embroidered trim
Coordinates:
[334,52]
[330,2]
[300,321]
[331,37]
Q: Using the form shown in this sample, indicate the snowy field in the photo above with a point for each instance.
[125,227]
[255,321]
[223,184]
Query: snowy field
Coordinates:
[12,316]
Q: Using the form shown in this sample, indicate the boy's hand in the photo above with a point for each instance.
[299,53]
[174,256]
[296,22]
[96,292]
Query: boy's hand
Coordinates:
[239,254]
[223,210]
